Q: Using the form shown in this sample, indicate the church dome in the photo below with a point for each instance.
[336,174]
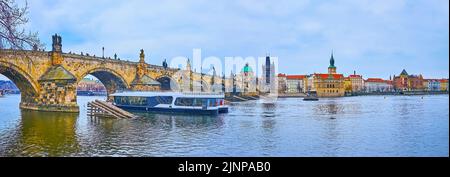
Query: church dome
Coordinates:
[247,69]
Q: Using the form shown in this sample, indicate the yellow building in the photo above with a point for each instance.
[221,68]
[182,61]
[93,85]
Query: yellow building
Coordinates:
[444,84]
[348,85]
[331,84]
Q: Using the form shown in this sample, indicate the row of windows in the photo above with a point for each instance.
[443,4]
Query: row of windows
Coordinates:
[329,85]
[153,101]
[210,102]
[135,101]
[331,91]
[143,101]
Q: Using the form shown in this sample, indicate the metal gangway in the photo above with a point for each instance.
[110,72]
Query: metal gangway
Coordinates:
[99,108]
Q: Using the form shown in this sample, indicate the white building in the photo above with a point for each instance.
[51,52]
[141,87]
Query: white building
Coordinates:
[377,85]
[295,83]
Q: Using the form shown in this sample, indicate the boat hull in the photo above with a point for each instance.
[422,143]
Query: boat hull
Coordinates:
[310,99]
[223,110]
[170,110]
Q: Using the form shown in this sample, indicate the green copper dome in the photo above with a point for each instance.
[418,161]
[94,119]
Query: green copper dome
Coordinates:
[247,68]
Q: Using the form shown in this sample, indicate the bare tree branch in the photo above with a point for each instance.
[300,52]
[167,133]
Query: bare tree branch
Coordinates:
[12,32]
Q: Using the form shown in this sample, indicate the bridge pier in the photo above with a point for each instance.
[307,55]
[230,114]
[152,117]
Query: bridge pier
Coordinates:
[57,92]
[50,107]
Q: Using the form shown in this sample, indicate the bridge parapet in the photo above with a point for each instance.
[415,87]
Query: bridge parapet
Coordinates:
[85,57]
[48,79]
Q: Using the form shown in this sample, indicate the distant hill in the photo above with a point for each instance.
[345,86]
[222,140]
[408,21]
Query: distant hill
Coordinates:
[7,85]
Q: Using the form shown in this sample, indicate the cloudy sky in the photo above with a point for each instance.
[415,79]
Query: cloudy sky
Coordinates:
[377,38]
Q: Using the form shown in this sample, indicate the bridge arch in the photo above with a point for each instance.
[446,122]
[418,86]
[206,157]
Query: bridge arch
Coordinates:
[112,80]
[167,83]
[206,85]
[27,85]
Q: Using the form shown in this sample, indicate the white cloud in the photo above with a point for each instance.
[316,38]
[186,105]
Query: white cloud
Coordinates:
[375,37]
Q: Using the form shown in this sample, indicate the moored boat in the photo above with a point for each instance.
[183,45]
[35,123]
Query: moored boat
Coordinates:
[311,96]
[171,102]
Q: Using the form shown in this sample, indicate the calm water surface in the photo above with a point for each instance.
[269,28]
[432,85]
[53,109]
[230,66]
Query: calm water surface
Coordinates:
[349,126]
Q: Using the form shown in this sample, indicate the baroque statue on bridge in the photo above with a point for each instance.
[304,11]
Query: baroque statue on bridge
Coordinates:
[56,43]
[165,64]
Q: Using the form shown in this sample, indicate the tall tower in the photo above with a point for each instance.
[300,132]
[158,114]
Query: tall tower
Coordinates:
[332,68]
[188,65]
[267,74]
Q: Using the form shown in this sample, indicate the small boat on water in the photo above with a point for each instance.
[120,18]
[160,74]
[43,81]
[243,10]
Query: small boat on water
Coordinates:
[311,97]
[171,102]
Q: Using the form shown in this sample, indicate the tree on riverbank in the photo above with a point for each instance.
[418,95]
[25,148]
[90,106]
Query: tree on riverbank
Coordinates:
[12,32]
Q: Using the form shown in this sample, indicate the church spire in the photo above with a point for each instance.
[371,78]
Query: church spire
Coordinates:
[332,61]
[332,68]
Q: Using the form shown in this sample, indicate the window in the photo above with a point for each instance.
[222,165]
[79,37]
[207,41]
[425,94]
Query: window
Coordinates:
[164,99]
[184,102]
[136,101]
[199,101]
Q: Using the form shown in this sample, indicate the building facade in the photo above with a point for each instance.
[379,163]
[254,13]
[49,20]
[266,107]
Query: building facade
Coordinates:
[282,83]
[444,84]
[91,85]
[246,81]
[432,84]
[357,82]
[295,83]
[406,82]
[377,85]
[348,85]
[331,84]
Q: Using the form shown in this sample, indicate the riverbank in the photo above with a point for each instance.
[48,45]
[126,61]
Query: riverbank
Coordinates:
[401,93]
[241,98]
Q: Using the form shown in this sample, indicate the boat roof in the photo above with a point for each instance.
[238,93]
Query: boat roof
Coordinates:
[174,94]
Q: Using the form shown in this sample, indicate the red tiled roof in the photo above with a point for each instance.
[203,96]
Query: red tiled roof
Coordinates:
[295,77]
[375,80]
[353,75]
[443,80]
[281,75]
[326,76]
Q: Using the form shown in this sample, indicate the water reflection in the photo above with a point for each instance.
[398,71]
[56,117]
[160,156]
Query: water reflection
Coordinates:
[268,109]
[330,107]
[181,121]
[45,134]
[362,126]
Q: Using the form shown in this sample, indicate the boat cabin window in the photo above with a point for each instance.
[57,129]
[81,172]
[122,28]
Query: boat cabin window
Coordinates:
[184,102]
[135,101]
[164,99]
[211,102]
[199,101]
[156,100]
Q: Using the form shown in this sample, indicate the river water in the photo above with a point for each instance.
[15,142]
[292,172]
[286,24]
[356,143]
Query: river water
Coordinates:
[347,126]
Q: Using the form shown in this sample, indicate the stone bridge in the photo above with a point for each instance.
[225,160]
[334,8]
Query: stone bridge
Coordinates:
[48,80]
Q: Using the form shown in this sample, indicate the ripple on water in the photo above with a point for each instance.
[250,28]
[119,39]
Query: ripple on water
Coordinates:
[350,126]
